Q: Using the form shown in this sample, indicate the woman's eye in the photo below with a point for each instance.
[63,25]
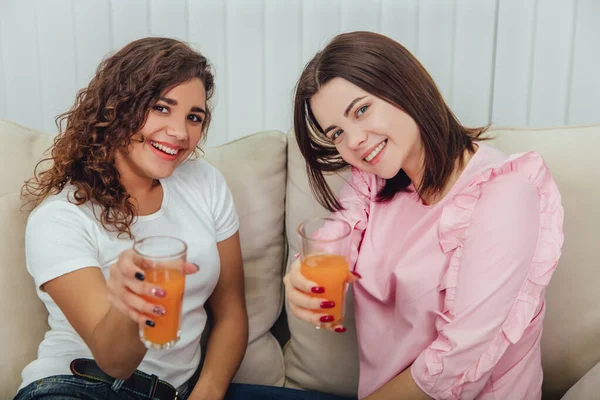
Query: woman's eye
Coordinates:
[336,134]
[160,109]
[194,118]
[361,111]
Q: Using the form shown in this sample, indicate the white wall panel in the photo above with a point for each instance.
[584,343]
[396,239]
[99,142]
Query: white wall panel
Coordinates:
[56,43]
[245,67]
[207,28]
[130,21]
[21,64]
[168,18]
[361,16]
[508,62]
[283,62]
[435,41]
[552,48]
[91,45]
[3,111]
[584,104]
[320,23]
[473,61]
[400,21]
[514,47]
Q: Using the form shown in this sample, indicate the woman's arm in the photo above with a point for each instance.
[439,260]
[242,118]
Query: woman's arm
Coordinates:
[402,387]
[112,337]
[229,335]
[503,236]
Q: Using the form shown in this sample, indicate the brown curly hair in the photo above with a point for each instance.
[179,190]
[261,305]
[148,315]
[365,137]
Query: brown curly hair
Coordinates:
[105,117]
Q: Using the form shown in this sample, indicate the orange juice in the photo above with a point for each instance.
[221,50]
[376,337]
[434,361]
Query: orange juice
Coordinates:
[331,272]
[165,332]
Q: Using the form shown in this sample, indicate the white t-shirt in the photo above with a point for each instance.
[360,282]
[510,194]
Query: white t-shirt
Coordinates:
[61,237]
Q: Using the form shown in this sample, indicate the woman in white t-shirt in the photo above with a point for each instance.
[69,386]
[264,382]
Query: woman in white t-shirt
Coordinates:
[121,170]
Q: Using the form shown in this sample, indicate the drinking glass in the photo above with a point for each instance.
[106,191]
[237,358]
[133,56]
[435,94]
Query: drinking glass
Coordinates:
[165,258]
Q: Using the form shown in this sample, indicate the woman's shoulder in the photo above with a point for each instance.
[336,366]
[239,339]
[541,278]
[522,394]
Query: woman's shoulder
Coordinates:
[63,200]
[496,187]
[508,173]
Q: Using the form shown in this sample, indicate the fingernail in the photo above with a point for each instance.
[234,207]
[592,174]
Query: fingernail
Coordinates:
[139,276]
[340,329]
[356,274]
[317,289]
[150,323]
[297,256]
[327,304]
[158,292]
[159,310]
[326,318]
[195,266]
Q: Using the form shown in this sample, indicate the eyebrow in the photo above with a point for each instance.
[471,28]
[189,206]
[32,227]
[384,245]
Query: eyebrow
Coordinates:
[346,112]
[173,102]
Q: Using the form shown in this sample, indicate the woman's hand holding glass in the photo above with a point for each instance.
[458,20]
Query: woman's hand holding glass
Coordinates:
[126,286]
[316,283]
[299,292]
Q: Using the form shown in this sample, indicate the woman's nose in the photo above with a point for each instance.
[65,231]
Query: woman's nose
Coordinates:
[356,138]
[177,131]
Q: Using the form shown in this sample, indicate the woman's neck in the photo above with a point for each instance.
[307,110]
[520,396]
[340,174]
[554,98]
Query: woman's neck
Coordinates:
[146,194]
[459,167]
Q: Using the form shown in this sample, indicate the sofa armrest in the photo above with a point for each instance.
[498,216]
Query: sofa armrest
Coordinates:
[587,388]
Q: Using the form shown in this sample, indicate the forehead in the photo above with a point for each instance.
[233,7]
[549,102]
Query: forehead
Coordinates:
[192,91]
[333,97]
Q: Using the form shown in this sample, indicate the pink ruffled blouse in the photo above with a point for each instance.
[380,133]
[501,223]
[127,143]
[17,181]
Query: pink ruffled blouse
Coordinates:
[455,291]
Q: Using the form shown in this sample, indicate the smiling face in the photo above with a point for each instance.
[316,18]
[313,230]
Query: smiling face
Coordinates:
[368,132]
[172,130]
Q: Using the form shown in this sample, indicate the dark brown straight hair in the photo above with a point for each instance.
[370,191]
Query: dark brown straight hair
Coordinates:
[106,115]
[385,69]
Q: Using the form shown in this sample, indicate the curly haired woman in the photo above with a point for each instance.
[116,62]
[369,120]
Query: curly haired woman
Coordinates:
[121,170]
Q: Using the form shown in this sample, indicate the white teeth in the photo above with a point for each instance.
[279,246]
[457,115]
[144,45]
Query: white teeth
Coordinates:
[165,149]
[376,151]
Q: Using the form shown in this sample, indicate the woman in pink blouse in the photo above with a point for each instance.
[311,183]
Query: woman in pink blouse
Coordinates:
[454,242]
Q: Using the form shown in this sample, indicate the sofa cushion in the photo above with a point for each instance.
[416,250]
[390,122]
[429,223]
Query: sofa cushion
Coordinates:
[315,359]
[255,170]
[570,342]
[20,150]
[24,317]
[587,388]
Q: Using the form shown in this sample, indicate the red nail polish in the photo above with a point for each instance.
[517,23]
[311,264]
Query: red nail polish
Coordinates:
[340,329]
[326,318]
[318,289]
[356,274]
[327,304]
[158,292]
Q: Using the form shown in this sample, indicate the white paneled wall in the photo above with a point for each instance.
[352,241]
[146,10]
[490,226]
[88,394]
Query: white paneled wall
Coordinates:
[506,62]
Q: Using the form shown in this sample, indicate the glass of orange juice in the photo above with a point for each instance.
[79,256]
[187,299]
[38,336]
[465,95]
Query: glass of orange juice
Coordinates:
[165,258]
[324,257]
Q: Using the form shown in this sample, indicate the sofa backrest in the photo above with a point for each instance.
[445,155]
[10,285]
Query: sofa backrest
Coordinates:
[571,339]
[255,169]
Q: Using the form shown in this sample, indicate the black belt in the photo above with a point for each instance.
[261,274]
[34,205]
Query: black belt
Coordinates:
[140,383]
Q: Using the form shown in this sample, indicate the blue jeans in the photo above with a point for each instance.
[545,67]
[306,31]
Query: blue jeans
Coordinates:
[257,392]
[70,387]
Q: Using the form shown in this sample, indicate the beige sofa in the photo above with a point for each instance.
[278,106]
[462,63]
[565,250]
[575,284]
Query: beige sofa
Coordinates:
[267,177]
